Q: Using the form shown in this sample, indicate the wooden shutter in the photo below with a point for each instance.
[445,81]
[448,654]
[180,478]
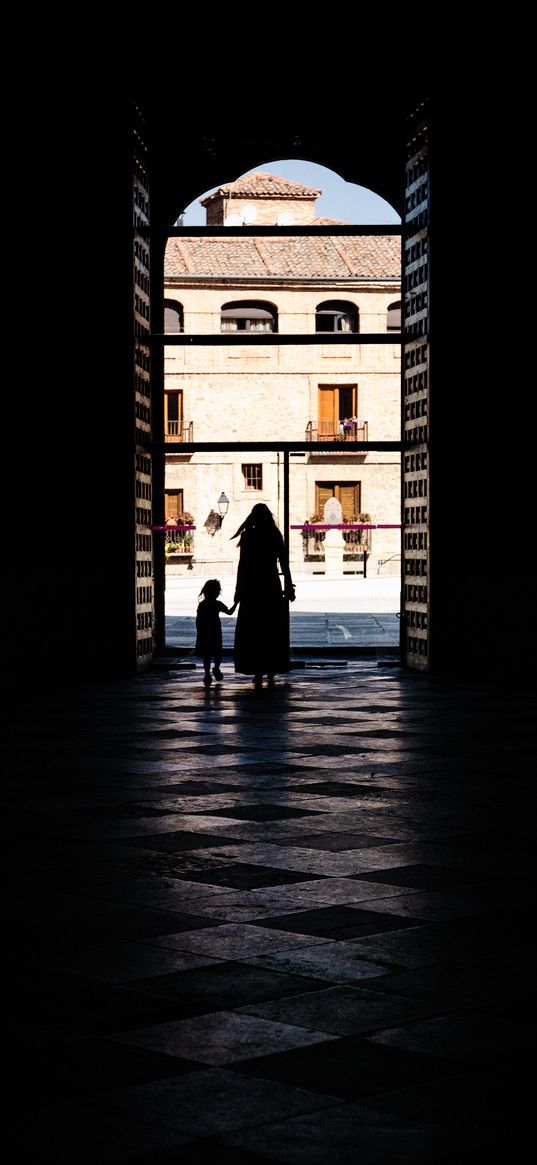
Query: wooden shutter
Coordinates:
[323,493]
[347,495]
[174,503]
[328,412]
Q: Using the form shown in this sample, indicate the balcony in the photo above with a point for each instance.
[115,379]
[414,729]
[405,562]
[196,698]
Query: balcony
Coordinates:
[342,432]
[175,432]
[179,540]
[357,538]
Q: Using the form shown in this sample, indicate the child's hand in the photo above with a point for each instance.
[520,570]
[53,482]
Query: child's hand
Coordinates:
[232,609]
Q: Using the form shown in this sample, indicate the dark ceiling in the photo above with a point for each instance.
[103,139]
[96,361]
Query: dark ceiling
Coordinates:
[221,137]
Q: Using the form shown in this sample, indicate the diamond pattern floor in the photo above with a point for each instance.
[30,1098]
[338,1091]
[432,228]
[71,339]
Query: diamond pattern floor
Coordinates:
[280,925]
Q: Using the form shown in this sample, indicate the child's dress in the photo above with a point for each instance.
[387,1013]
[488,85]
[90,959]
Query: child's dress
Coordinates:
[208,629]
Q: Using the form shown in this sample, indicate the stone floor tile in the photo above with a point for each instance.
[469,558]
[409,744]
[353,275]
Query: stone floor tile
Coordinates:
[236,1102]
[124,962]
[338,842]
[443,984]
[325,891]
[226,985]
[434,906]
[342,1010]
[82,1131]
[222,1037]
[250,875]
[340,922]
[346,1134]
[233,940]
[336,962]
[422,877]
[469,1036]
[351,1067]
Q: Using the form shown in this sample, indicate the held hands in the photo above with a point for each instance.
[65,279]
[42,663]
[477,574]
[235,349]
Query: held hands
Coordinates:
[289,592]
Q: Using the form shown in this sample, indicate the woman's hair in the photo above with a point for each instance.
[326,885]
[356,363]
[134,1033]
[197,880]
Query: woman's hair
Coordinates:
[211,589]
[259,518]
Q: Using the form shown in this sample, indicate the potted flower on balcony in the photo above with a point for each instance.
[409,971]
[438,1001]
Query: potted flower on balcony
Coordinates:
[361,535]
[313,539]
[179,542]
[357,541]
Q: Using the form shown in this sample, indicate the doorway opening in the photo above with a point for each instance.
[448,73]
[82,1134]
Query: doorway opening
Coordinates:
[273,298]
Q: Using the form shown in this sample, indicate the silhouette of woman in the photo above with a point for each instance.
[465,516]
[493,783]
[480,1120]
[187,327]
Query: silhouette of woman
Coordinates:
[261,632]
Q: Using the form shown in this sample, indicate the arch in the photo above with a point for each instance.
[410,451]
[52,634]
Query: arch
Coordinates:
[249,315]
[173,316]
[337,315]
[393,321]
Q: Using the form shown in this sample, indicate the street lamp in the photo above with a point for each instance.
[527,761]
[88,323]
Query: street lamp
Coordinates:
[214,521]
[223,506]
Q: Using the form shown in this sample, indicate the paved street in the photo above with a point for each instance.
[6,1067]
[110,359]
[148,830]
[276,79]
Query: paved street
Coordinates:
[328,613]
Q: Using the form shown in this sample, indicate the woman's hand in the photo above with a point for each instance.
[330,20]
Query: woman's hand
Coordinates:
[289,592]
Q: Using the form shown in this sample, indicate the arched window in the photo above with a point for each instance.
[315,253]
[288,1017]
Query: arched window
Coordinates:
[336,315]
[249,315]
[393,322]
[173,316]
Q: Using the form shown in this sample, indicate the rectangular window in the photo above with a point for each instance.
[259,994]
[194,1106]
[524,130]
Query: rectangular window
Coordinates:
[174,508]
[337,411]
[348,493]
[253,476]
[173,416]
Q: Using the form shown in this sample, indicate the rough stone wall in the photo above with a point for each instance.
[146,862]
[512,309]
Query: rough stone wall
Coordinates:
[269,392]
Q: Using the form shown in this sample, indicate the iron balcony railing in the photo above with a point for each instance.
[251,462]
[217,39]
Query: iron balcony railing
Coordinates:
[176,432]
[178,539]
[343,431]
[357,539]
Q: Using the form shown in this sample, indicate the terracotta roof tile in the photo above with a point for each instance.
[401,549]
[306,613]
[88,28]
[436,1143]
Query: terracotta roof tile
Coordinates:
[262,185]
[342,256]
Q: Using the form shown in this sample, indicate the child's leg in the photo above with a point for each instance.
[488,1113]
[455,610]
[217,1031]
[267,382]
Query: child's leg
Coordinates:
[216,669]
[207,669]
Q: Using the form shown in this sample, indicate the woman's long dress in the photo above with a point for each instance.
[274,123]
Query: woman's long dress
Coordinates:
[262,628]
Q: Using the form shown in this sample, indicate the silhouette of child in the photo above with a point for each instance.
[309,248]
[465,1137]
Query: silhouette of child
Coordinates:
[208,629]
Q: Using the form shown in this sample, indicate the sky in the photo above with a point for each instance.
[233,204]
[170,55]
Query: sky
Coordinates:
[339,199]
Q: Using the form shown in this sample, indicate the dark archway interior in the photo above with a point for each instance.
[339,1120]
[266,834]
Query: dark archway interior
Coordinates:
[69,464]
[77,456]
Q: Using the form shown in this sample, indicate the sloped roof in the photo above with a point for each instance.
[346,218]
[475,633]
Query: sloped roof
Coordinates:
[338,256]
[262,185]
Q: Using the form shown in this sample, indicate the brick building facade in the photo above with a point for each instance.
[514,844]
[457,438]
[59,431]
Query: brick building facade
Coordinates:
[260,389]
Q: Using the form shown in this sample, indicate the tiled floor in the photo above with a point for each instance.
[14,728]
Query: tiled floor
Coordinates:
[280,925]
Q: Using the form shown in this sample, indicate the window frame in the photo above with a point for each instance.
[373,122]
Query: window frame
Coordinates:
[171,517]
[338,309]
[261,310]
[336,487]
[173,305]
[246,469]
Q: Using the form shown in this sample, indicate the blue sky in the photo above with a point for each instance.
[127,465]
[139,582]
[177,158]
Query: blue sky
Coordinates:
[339,199]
